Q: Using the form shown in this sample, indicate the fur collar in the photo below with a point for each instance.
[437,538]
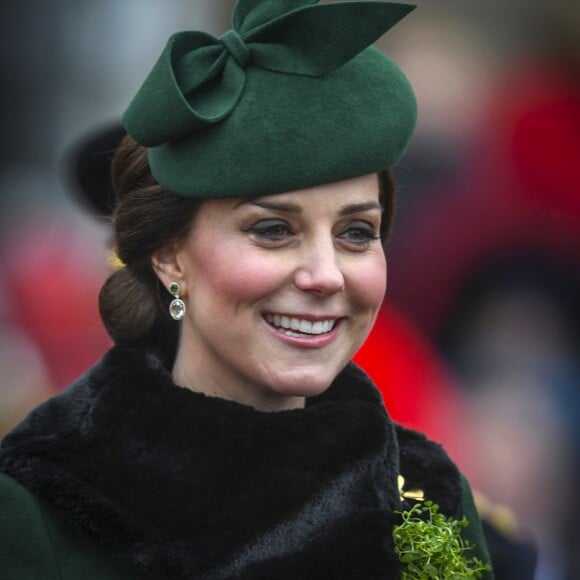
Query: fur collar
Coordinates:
[195,486]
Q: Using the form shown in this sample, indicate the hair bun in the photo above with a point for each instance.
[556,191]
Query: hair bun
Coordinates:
[127,307]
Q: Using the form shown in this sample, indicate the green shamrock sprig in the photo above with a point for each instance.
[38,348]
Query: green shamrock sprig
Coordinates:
[430,547]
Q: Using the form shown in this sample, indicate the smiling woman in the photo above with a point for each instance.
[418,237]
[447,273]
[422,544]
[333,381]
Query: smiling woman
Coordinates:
[227,434]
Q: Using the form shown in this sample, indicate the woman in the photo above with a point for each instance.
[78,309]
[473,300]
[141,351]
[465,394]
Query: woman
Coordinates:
[226,435]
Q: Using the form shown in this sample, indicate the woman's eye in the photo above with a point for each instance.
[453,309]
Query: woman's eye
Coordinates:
[271,230]
[359,234]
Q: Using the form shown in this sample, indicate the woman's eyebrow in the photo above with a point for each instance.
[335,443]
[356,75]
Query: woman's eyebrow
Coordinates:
[358,207]
[281,207]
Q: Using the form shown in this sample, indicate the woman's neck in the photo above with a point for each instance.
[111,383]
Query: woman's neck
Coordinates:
[196,376]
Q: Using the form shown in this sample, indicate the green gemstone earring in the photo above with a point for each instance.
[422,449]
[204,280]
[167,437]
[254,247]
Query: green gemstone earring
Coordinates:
[177,306]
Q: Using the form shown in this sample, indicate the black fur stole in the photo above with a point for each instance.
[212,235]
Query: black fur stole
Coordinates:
[194,486]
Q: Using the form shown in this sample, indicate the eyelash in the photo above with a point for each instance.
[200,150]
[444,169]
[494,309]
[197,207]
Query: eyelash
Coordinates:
[278,231]
[367,231]
[270,230]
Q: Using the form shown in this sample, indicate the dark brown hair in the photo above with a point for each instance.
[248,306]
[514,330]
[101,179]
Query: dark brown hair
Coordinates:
[133,303]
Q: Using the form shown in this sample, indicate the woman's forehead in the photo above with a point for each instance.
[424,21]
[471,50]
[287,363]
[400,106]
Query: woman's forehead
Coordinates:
[339,193]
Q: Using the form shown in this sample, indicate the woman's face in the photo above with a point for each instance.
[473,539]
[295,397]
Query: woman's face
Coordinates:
[281,291]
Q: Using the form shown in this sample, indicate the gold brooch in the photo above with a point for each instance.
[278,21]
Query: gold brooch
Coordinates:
[415,494]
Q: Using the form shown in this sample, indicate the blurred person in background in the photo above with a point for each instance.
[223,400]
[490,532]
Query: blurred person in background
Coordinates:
[513,339]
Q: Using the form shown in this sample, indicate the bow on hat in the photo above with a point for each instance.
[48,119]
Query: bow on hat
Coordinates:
[199,79]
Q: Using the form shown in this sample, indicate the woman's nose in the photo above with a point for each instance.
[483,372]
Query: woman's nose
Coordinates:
[320,272]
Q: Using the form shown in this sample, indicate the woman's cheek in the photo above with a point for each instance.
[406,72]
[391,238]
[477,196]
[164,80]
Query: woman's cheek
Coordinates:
[369,283]
[251,274]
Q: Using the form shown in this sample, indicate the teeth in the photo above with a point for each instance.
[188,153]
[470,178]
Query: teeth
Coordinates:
[300,325]
[319,327]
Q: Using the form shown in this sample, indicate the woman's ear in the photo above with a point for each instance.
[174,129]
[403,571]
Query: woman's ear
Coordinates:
[166,264]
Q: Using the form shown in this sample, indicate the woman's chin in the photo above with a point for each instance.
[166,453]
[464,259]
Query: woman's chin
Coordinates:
[304,386]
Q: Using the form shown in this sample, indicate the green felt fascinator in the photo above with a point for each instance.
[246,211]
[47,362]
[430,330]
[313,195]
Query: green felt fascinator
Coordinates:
[292,96]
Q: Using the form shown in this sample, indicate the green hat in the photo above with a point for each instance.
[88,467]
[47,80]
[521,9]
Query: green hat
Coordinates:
[293,96]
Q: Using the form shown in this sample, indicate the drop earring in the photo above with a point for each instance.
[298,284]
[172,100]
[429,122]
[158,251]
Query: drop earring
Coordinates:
[177,305]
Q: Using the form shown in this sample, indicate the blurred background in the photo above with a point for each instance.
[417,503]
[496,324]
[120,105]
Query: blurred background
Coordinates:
[478,341]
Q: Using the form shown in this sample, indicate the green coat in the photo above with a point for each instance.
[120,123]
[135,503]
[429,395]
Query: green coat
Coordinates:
[37,544]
